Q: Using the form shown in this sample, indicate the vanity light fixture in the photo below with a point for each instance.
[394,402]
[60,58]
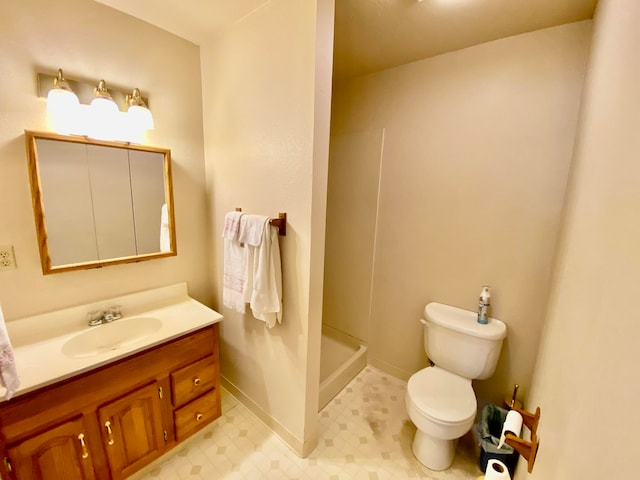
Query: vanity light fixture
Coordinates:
[104,115]
[139,114]
[103,102]
[81,107]
[61,96]
[62,104]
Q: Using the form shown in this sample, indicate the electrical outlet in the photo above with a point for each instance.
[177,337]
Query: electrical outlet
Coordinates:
[7,258]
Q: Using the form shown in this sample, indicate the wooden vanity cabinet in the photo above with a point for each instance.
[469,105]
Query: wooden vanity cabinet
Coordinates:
[58,453]
[132,431]
[108,423]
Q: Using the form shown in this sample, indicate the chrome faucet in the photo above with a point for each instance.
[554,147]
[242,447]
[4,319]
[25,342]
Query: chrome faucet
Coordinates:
[97,317]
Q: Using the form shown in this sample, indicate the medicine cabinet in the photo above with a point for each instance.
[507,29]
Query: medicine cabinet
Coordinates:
[99,203]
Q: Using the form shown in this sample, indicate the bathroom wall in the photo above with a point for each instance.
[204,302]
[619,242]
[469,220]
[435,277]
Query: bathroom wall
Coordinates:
[267,86]
[476,148]
[91,41]
[586,379]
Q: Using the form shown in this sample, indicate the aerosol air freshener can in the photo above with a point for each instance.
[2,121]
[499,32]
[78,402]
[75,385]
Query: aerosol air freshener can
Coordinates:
[483,305]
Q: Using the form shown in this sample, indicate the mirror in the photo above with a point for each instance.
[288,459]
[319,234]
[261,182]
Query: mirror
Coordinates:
[99,203]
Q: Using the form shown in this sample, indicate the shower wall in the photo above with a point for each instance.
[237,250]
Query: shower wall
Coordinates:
[352,204]
[476,156]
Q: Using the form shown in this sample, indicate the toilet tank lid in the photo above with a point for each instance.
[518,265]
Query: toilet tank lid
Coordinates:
[464,321]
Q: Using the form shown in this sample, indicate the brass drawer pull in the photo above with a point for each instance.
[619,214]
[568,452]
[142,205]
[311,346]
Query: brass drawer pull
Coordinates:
[196,381]
[85,452]
[199,417]
[110,439]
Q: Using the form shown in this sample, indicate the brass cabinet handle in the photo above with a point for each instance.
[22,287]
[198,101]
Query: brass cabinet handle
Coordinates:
[199,416]
[110,439]
[85,452]
[196,381]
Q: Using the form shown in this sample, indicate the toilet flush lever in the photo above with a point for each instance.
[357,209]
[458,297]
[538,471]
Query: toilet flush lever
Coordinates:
[423,321]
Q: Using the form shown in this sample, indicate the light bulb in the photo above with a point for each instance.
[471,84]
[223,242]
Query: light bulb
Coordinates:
[141,118]
[139,115]
[62,105]
[104,113]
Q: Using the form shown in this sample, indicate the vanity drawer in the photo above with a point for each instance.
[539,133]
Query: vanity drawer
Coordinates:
[193,380]
[196,415]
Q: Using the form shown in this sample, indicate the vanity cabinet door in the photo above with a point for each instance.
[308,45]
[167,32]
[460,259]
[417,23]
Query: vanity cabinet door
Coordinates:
[132,431]
[60,453]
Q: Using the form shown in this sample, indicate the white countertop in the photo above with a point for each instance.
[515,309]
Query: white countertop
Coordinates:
[37,341]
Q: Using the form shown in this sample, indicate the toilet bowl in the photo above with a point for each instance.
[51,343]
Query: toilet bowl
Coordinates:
[443,407]
[440,400]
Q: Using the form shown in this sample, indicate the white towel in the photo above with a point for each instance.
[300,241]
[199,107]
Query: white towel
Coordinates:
[266,294]
[8,371]
[165,235]
[235,264]
[252,228]
[231,225]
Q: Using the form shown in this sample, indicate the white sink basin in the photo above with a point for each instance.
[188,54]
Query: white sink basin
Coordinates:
[110,336]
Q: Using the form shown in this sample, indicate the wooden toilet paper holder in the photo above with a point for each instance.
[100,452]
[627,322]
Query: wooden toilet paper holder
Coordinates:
[527,448]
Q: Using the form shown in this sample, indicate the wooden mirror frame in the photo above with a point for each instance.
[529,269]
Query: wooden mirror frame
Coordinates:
[39,210]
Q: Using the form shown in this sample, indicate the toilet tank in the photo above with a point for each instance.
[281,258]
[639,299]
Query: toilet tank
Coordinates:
[456,342]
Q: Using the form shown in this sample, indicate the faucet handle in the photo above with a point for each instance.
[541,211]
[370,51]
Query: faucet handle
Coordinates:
[94,317]
[115,311]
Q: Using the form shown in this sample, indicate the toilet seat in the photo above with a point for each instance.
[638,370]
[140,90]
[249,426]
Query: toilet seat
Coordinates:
[442,396]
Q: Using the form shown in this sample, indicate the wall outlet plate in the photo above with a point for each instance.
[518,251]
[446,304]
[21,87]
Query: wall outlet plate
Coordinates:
[7,258]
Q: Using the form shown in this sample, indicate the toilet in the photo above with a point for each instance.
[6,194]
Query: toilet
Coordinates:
[440,399]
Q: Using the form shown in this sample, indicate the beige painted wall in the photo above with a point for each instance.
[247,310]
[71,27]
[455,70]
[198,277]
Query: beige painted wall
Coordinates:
[476,152]
[267,153]
[91,41]
[586,380]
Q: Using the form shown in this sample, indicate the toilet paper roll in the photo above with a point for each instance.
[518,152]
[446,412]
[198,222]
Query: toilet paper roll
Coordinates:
[496,470]
[512,424]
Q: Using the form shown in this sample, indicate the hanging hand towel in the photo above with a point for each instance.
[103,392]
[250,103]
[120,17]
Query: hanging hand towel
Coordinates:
[251,232]
[165,234]
[252,228]
[266,295]
[8,371]
[235,264]
[231,225]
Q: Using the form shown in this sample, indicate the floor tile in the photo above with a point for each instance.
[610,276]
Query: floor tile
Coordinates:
[364,434]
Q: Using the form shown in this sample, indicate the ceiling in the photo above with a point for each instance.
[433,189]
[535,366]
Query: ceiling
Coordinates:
[195,20]
[373,35]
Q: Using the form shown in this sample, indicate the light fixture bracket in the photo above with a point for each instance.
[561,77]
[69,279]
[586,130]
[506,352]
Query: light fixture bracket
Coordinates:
[60,83]
[100,91]
[135,99]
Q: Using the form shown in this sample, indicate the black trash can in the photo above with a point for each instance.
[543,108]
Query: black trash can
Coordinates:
[489,430]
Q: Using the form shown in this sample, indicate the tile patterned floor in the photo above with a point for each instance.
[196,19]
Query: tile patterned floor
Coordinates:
[364,434]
